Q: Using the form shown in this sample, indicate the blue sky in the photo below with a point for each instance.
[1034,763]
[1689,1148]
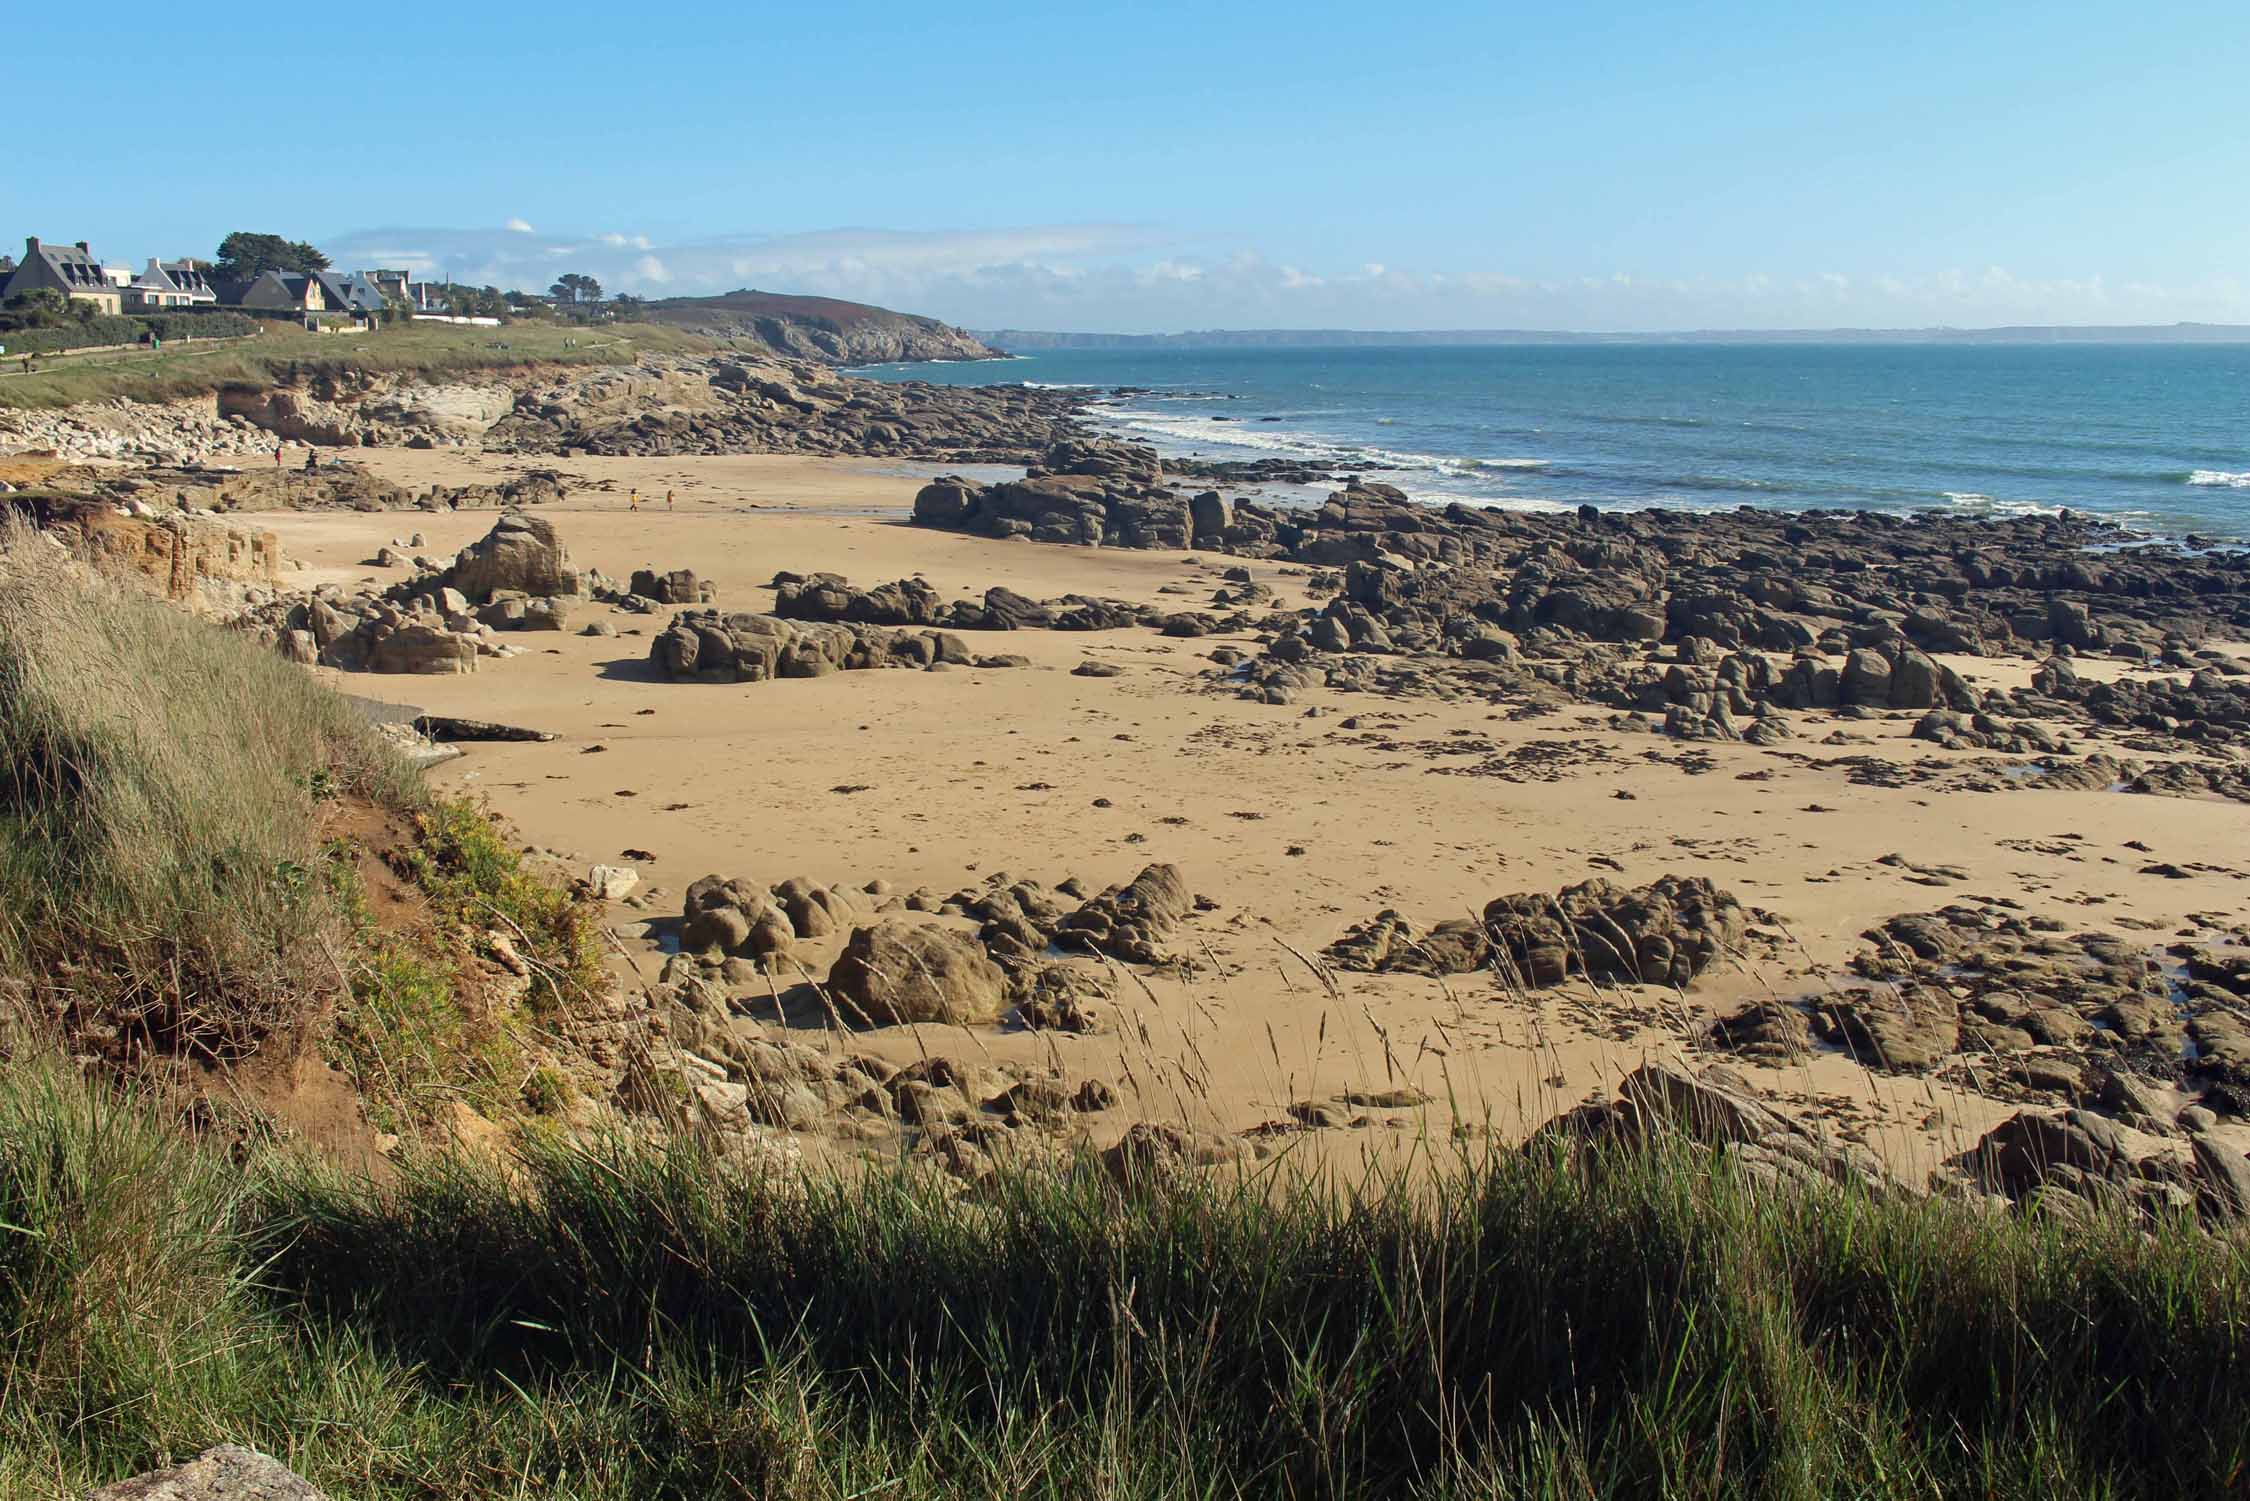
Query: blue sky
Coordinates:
[1167,166]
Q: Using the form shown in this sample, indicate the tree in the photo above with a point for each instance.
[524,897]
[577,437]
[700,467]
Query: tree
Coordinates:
[627,304]
[243,255]
[573,288]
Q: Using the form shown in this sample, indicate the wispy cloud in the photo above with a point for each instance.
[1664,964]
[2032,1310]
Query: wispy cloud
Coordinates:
[1131,278]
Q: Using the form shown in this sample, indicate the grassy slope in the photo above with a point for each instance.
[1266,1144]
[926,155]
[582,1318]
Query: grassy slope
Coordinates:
[427,349]
[184,867]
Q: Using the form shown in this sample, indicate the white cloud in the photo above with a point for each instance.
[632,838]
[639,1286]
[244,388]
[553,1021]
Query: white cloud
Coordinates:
[519,226]
[1132,279]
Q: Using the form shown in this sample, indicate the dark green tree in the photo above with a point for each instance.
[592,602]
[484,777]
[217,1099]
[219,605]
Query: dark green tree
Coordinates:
[244,254]
[574,288]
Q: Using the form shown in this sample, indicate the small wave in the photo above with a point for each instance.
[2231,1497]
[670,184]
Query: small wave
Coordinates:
[1987,505]
[1493,502]
[2221,479]
[1206,432]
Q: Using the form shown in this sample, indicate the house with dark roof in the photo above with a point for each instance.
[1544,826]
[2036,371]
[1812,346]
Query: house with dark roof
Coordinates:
[70,270]
[170,284]
[352,292]
[275,291]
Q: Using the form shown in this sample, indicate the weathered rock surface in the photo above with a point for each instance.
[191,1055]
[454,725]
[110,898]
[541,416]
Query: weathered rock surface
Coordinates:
[522,554]
[895,972]
[911,602]
[1664,933]
[226,1473]
[714,647]
[1718,1109]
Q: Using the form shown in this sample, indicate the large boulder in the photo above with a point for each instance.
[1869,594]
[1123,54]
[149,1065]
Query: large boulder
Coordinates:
[521,553]
[897,972]
[423,648]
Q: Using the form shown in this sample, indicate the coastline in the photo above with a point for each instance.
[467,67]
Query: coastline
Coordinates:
[1297,821]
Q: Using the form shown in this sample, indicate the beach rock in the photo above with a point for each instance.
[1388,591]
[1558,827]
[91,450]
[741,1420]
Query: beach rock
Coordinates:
[679,587]
[1390,943]
[1910,1028]
[894,972]
[521,553]
[612,883]
[1717,1109]
[1664,933]
[413,647]
[226,1473]
[1132,922]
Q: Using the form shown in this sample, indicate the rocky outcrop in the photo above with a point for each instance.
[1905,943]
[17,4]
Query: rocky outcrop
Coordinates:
[516,578]
[735,919]
[894,972]
[1133,922]
[676,404]
[1664,933]
[712,647]
[521,555]
[2077,1163]
[912,602]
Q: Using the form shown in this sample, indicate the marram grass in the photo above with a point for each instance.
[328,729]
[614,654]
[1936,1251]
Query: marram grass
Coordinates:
[619,1319]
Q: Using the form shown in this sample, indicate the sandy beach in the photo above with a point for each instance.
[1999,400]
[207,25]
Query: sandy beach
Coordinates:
[1292,821]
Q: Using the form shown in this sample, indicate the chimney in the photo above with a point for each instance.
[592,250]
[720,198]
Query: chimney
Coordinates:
[84,248]
[31,247]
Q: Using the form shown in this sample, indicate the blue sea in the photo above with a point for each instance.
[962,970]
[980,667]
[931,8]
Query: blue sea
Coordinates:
[2154,436]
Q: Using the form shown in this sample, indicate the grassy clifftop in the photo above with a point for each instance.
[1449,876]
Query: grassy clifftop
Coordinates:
[428,350]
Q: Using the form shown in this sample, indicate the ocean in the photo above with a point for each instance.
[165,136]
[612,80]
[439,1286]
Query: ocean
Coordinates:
[2155,436]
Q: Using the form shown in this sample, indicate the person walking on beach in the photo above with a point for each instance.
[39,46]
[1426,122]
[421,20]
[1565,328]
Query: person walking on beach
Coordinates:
[633,499]
[667,500]
[277,456]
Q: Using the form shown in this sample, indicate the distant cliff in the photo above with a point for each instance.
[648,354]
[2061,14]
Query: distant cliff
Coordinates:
[819,328]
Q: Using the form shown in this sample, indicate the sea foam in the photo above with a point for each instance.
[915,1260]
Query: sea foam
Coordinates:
[2223,479]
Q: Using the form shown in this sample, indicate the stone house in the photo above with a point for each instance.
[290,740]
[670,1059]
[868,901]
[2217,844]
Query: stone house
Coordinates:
[352,292]
[68,269]
[170,284]
[275,291]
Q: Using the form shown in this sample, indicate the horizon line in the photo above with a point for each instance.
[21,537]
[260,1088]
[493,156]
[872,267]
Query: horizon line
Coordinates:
[2235,331]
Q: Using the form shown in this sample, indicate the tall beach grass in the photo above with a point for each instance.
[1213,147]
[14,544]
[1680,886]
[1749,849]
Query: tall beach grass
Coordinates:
[620,1318]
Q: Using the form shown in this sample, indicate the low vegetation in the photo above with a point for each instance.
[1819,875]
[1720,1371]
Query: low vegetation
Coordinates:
[619,1319]
[189,827]
[281,354]
[159,845]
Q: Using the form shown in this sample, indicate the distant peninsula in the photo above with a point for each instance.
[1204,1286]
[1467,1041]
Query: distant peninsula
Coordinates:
[1024,341]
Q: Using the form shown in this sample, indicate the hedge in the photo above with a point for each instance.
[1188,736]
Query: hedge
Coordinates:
[96,332]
